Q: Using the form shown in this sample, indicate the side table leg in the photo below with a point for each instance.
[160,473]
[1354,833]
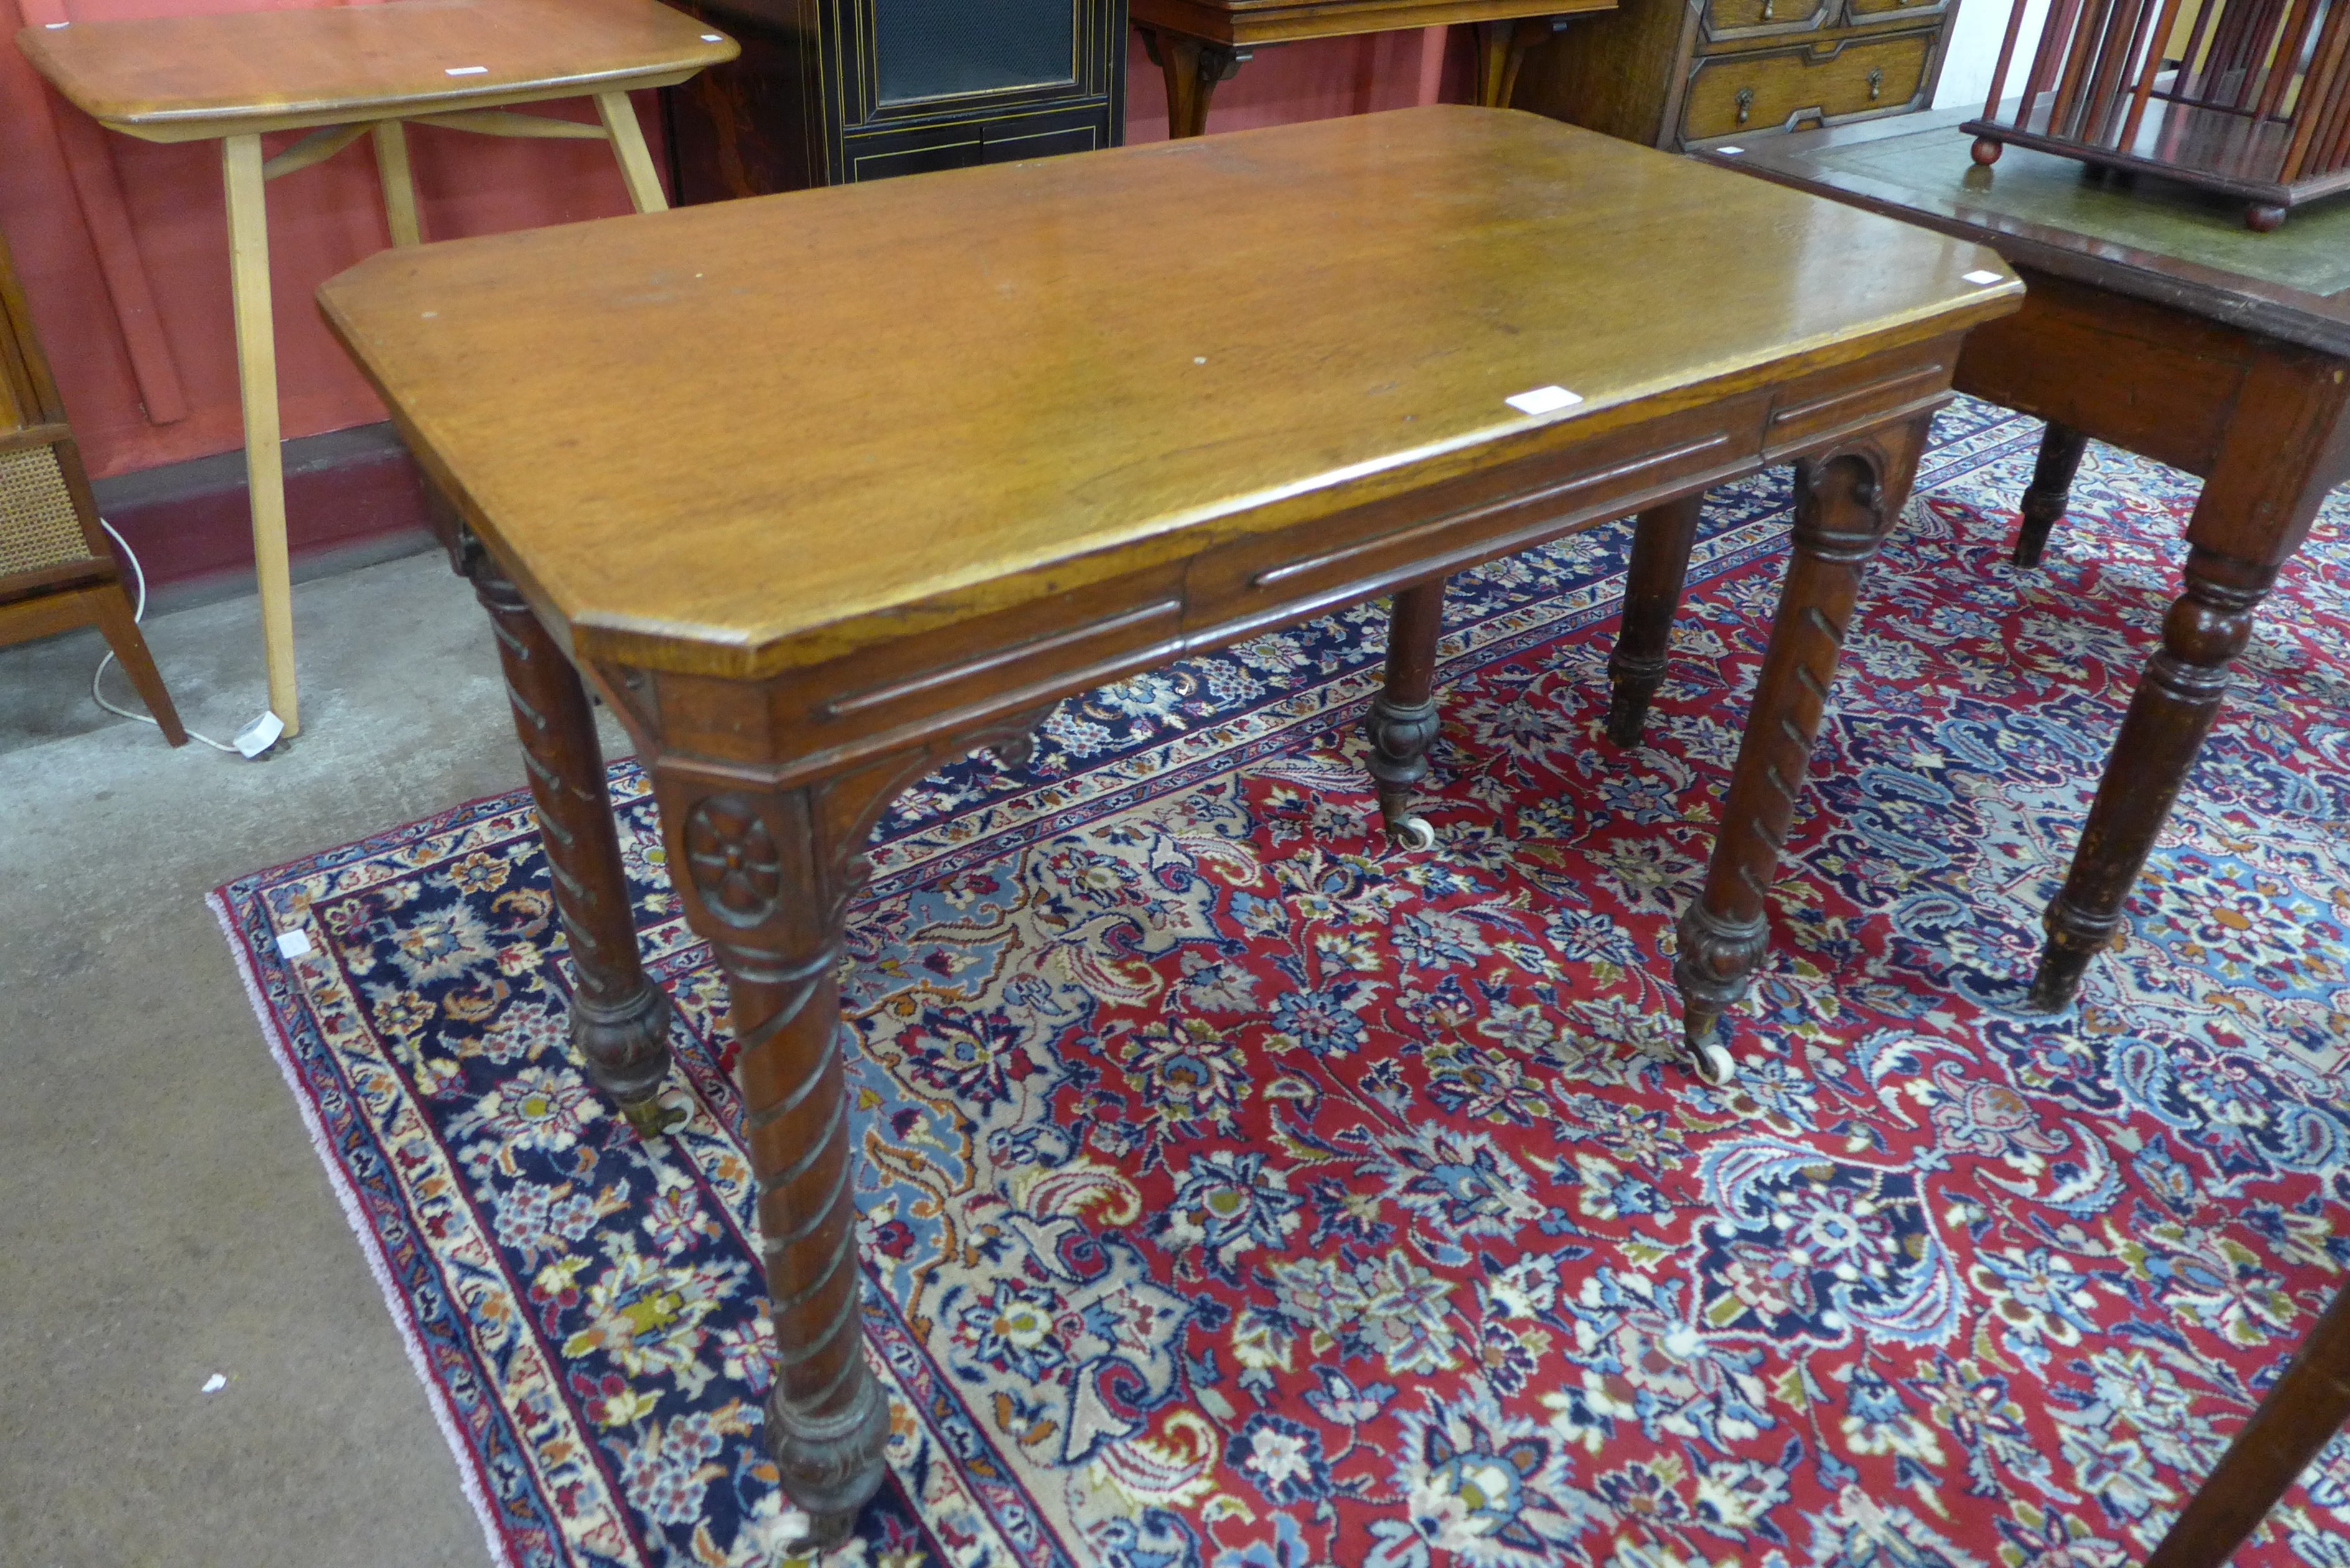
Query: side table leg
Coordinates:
[766,876]
[1845,504]
[256,376]
[391,172]
[628,139]
[2061,447]
[1403,723]
[2171,712]
[1192,67]
[619,1018]
[1661,541]
[2298,1418]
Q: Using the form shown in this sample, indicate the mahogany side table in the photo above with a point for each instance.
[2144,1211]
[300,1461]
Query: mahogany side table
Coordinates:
[2156,322]
[1125,450]
[1197,44]
[348,71]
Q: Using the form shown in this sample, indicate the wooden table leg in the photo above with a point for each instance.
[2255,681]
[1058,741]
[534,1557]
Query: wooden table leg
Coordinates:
[1662,538]
[1502,49]
[2286,444]
[1402,723]
[111,608]
[2301,1413]
[766,876]
[619,1018]
[399,185]
[256,374]
[1845,504]
[628,139]
[1191,67]
[2061,447]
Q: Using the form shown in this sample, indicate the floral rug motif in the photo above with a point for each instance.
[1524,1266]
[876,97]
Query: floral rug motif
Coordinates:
[1241,1192]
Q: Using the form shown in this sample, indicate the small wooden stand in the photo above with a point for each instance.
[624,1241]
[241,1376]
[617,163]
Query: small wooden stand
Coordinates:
[2247,98]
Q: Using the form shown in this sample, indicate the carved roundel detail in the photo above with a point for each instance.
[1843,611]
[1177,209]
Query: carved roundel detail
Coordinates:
[733,859]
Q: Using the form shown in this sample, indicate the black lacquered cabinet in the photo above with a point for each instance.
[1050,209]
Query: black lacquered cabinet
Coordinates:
[828,91]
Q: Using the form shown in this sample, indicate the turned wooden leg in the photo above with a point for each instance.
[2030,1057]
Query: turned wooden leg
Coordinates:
[619,1018]
[766,876]
[1403,724]
[2061,447]
[1192,67]
[2176,699]
[1661,541]
[2301,1413]
[1845,504]
[111,608]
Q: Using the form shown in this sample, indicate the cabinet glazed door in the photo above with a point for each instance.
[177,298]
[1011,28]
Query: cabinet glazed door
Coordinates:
[946,48]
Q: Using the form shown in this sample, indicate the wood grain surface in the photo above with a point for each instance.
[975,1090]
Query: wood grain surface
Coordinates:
[183,78]
[754,435]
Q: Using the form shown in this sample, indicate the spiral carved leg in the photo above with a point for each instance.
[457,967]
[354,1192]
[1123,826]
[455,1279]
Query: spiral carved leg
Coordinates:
[620,1019]
[1845,506]
[2171,712]
[1403,723]
[2061,447]
[1661,541]
[766,879]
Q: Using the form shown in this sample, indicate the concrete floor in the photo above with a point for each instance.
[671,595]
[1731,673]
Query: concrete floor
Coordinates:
[162,1217]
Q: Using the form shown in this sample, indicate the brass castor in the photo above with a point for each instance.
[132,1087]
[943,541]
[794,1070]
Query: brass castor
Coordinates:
[652,1119]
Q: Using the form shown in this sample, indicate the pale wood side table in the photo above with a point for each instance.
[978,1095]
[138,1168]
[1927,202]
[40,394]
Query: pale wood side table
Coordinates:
[343,72]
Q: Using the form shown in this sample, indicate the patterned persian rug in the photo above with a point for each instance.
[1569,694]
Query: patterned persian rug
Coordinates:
[1238,1193]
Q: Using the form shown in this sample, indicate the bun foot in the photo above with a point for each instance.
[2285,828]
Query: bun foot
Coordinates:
[1986,150]
[2262,217]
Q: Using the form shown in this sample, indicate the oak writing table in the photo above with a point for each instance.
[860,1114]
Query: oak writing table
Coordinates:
[2156,322]
[882,536]
[348,71]
[1197,44]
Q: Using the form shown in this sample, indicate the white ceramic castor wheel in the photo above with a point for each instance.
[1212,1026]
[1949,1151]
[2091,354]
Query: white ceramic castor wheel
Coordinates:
[1715,1065]
[1417,833]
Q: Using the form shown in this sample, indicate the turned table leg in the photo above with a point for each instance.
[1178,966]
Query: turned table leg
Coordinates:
[2287,443]
[2061,447]
[1403,724]
[1845,504]
[2301,1413]
[766,876]
[619,1018]
[1661,541]
[2176,699]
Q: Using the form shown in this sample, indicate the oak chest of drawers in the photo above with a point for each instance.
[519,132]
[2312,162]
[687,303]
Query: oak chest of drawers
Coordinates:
[1678,73]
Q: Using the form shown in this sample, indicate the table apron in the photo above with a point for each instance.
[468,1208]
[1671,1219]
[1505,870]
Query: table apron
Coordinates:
[929,692]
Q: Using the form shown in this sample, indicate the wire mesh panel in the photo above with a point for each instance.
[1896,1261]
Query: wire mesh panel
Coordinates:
[39,527]
[934,48]
[2250,98]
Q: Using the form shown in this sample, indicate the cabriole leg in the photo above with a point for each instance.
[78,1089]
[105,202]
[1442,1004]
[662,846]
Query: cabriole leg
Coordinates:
[619,1018]
[1845,504]
[1403,724]
[1661,541]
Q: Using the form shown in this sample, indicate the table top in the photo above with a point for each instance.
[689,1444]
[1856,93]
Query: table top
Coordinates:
[2149,237]
[1245,22]
[747,436]
[172,78]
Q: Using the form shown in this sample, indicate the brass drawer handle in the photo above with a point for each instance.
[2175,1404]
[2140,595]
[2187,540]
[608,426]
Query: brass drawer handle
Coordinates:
[1745,102]
[1876,78]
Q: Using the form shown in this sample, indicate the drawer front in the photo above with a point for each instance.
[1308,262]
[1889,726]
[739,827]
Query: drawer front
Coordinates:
[1255,584]
[1827,82]
[1768,18]
[1813,410]
[1877,13]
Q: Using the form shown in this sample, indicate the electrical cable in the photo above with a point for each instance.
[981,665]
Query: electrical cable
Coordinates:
[137,614]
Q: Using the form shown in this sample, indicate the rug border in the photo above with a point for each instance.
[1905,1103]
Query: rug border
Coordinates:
[469,1475]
